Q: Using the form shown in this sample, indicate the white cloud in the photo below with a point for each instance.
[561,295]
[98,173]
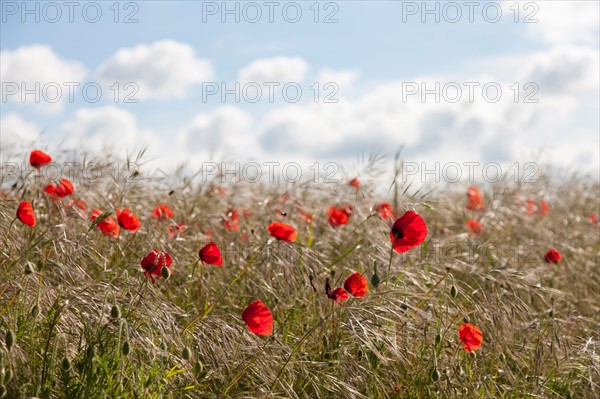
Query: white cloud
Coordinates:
[558,22]
[343,79]
[99,129]
[17,133]
[28,66]
[276,69]
[163,69]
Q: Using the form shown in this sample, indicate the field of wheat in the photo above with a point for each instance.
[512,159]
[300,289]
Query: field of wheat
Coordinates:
[111,288]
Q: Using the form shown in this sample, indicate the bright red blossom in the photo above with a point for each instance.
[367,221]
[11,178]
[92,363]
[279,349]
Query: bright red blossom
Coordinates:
[593,218]
[162,211]
[258,318]
[354,183]
[231,220]
[283,231]
[63,189]
[128,220]
[109,226]
[39,158]
[25,214]
[210,254]
[407,232]
[338,295]
[530,208]
[475,199]
[339,216]
[470,336]
[553,256]
[474,227]
[385,210]
[356,284]
[154,262]
[544,208]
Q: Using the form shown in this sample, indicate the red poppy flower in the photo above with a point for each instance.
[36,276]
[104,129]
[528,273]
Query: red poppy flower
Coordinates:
[128,220]
[474,226]
[338,295]
[475,199]
[593,218]
[530,209]
[162,211]
[470,336]
[25,214]
[283,231]
[175,230]
[154,262]
[63,189]
[544,208]
[354,183]
[78,203]
[39,158]
[385,210]
[339,216]
[553,256]
[231,220]
[407,232]
[210,254]
[356,284]
[109,226]
[258,318]
[308,217]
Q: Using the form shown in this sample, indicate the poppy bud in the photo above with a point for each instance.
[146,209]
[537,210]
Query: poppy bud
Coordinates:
[435,375]
[65,364]
[551,313]
[28,269]
[35,311]
[466,319]
[375,280]
[453,291]
[39,264]
[2,391]
[125,348]
[198,368]
[9,339]
[186,353]
[165,272]
[8,376]
[115,312]
[438,339]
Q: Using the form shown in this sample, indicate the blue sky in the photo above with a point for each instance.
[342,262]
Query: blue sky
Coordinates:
[371,54]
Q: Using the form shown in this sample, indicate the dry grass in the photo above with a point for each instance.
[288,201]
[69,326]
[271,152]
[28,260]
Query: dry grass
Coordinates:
[539,321]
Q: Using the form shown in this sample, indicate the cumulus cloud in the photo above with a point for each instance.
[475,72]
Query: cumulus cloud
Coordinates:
[164,69]
[98,129]
[18,133]
[276,69]
[33,66]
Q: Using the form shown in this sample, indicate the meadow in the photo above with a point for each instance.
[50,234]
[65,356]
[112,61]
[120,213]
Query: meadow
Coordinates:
[82,318]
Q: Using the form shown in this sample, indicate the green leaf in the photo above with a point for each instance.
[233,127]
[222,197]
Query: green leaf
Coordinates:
[98,220]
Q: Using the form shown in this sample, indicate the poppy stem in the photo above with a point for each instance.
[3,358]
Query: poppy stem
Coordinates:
[389,266]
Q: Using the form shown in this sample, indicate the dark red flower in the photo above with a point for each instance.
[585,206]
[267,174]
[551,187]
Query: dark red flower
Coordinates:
[553,256]
[162,211]
[356,284]
[474,227]
[408,231]
[354,183]
[283,231]
[210,254]
[338,295]
[25,214]
[544,208]
[470,336]
[339,216]
[154,262]
[128,220]
[385,210]
[475,199]
[258,318]
[63,189]
[109,226]
[39,158]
